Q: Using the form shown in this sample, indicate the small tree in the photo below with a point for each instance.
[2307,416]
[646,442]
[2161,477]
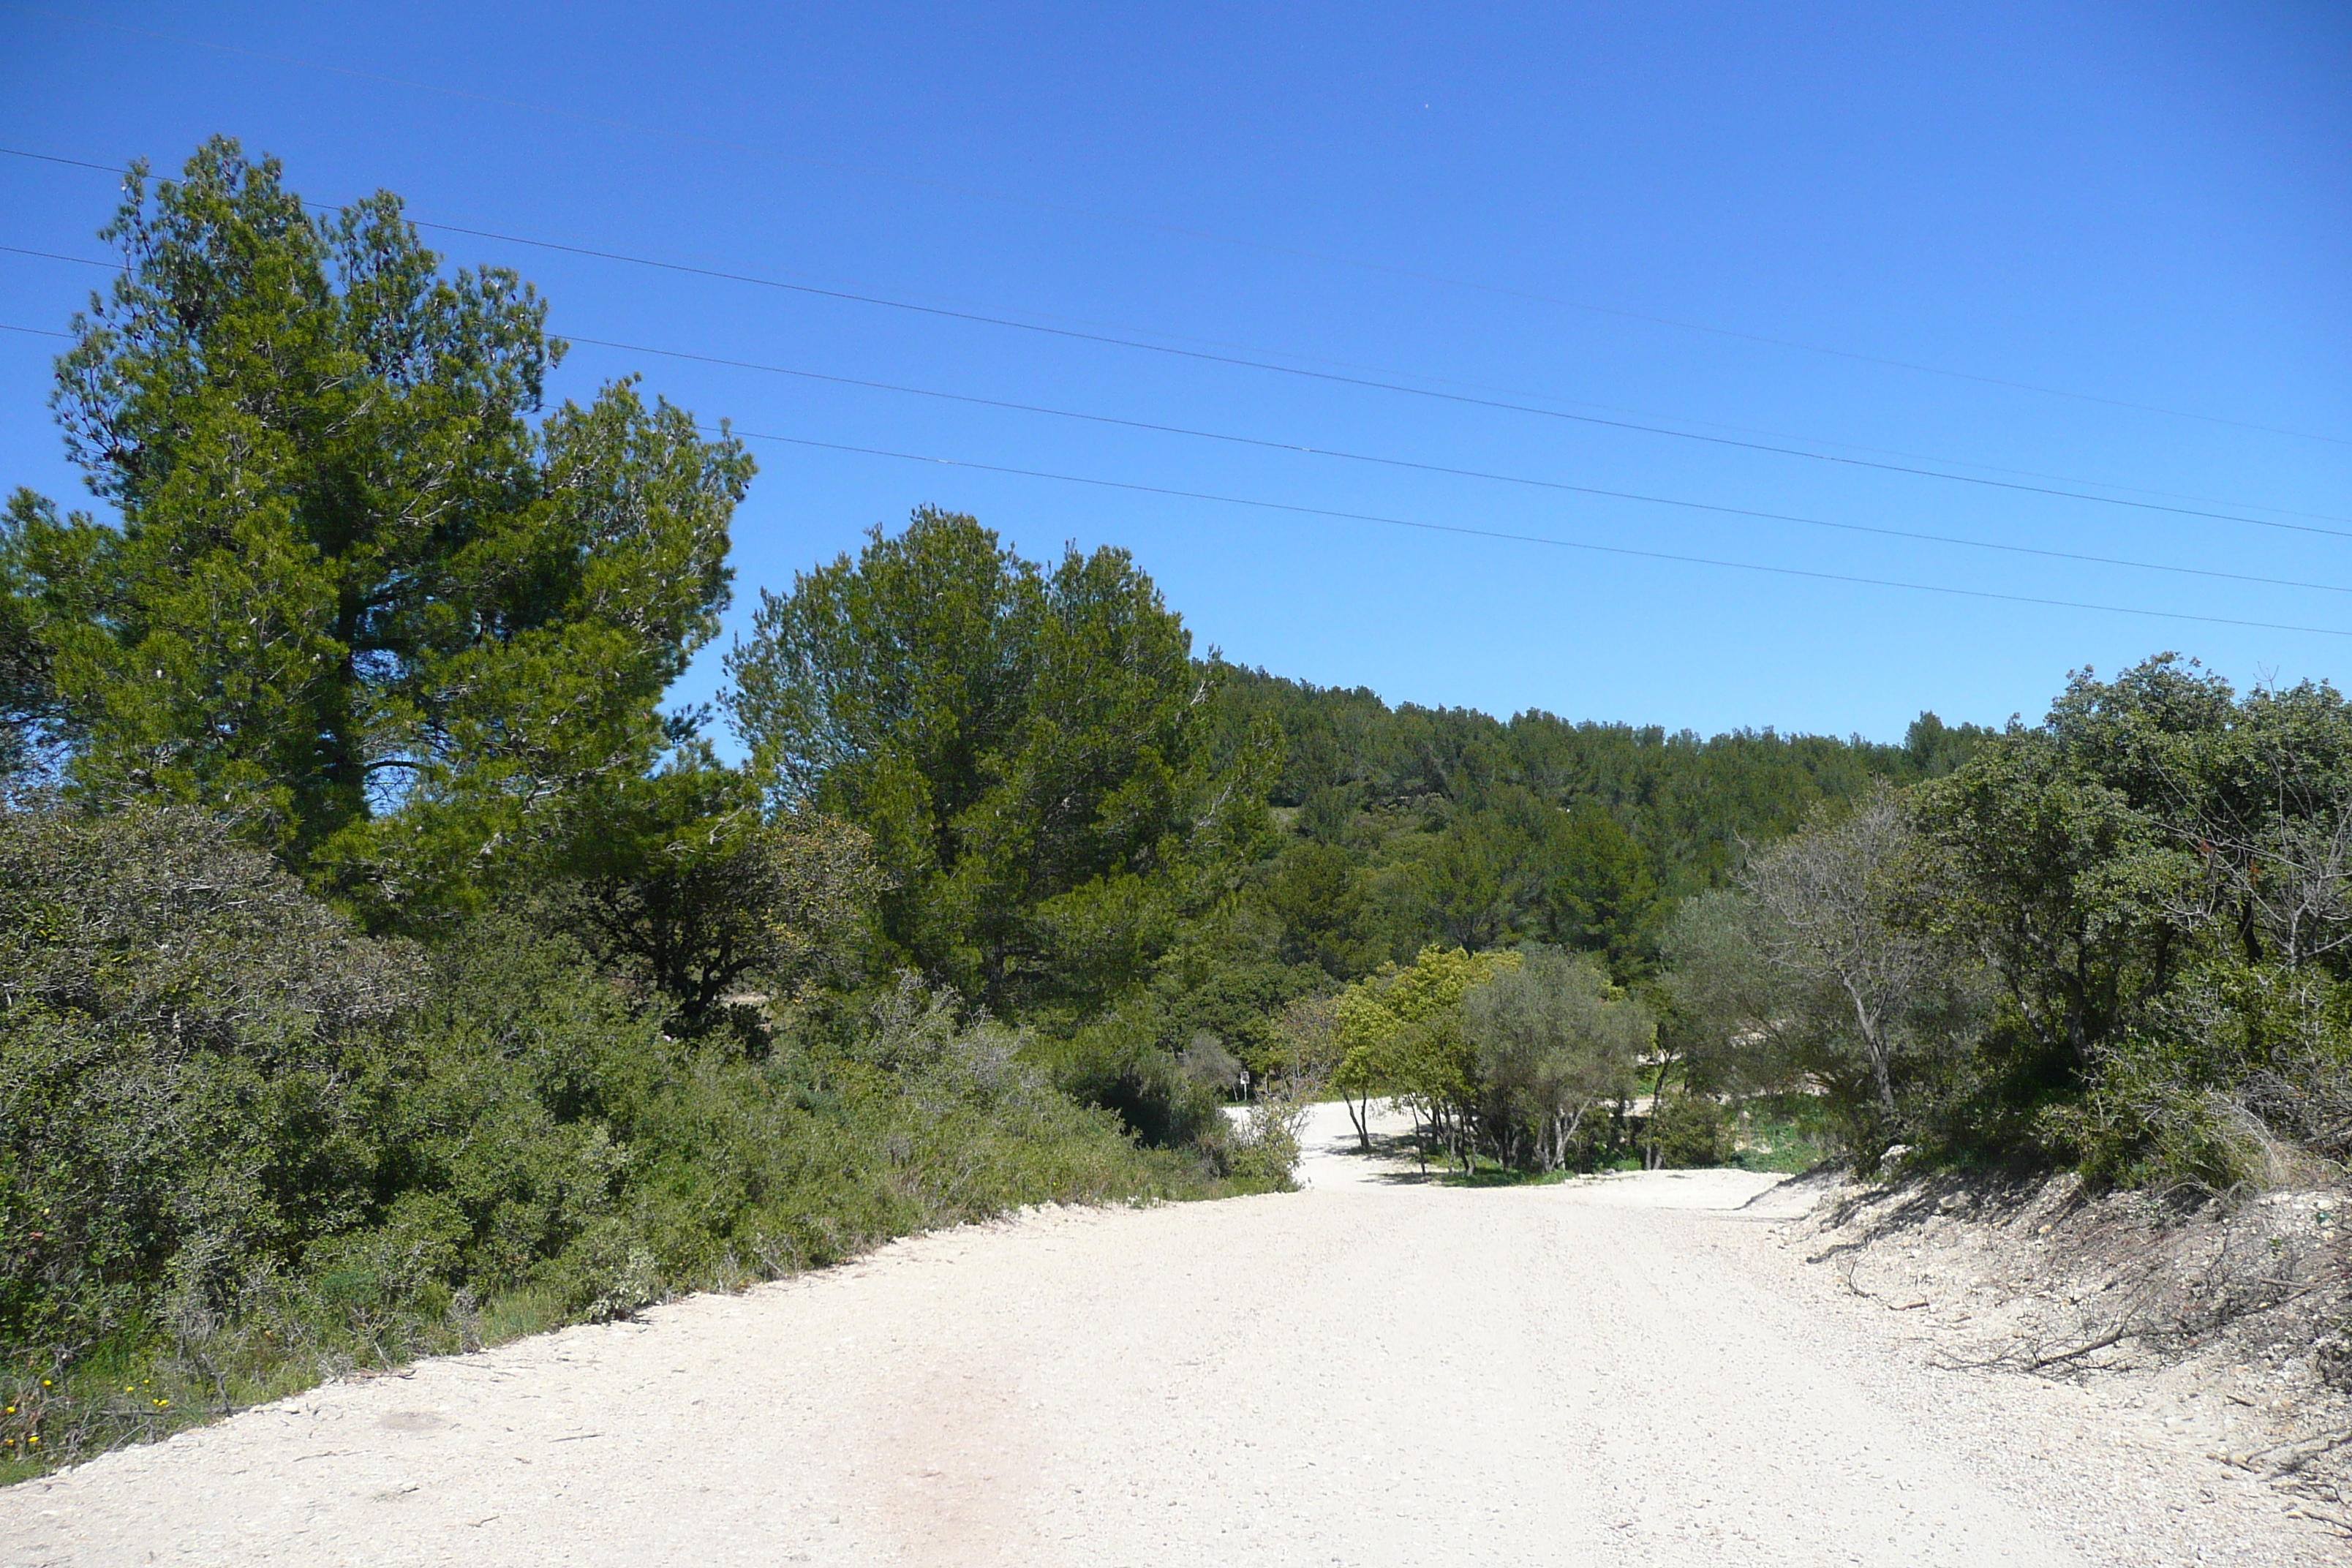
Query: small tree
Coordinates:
[1550,1039]
[691,894]
[1736,1020]
[1826,895]
[1400,1032]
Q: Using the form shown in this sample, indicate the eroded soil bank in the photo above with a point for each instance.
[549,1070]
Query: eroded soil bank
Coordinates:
[2225,1323]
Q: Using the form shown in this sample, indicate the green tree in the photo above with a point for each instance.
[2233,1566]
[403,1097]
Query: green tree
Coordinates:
[1029,751]
[1398,1032]
[1829,896]
[1734,1020]
[685,889]
[1462,887]
[1550,1040]
[2063,884]
[355,595]
[1601,895]
[1318,894]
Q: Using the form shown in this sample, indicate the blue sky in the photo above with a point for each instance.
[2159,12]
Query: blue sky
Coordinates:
[2056,220]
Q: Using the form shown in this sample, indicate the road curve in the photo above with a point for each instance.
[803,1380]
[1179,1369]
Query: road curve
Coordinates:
[1372,1372]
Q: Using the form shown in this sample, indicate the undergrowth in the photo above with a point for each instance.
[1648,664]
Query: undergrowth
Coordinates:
[243,1149]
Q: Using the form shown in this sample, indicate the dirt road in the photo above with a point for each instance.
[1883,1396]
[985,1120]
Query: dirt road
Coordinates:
[1627,1372]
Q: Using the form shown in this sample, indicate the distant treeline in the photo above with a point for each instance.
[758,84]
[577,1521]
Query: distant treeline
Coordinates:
[1471,831]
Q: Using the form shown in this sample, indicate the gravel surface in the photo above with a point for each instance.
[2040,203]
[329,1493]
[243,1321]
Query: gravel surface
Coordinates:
[1624,1371]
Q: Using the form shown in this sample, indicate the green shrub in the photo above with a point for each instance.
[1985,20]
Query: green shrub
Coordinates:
[1686,1131]
[242,1147]
[1121,1063]
[2242,1078]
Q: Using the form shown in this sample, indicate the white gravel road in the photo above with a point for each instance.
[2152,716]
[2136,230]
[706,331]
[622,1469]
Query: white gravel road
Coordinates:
[1632,1371]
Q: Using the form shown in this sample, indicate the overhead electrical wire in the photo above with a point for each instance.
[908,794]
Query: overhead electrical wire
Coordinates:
[1466,531]
[1368,378]
[1337,378]
[1328,258]
[56,256]
[1264,444]
[1407,463]
[1528,538]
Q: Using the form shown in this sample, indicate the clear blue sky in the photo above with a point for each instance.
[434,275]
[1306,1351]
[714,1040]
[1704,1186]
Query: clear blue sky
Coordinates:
[2143,204]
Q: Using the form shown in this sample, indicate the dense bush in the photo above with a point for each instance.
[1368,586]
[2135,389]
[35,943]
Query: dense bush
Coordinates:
[2120,940]
[1683,1130]
[242,1145]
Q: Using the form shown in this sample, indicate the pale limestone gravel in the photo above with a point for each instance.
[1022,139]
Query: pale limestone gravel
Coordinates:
[1373,1372]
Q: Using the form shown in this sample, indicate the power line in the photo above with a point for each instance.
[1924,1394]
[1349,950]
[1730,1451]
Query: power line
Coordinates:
[1267,445]
[1407,463]
[1327,258]
[54,256]
[1534,538]
[1496,533]
[981,314]
[1332,376]
[1403,463]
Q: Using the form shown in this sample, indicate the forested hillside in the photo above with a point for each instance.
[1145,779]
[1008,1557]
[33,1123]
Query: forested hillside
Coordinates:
[1473,831]
[1156,860]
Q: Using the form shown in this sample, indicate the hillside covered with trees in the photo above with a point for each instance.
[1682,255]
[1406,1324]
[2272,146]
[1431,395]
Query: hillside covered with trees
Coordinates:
[383,968]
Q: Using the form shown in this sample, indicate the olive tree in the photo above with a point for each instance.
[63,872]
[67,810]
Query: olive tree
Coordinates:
[1550,1040]
[1825,892]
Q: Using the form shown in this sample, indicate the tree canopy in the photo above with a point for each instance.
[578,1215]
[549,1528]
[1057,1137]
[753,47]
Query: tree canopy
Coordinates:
[355,594]
[1028,749]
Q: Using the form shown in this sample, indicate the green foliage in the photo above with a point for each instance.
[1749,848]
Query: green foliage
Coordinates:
[1468,831]
[1123,1062]
[1684,1132]
[1318,894]
[1026,748]
[240,1141]
[2120,939]
[180,1029]
[355,596]
[2240,1076]
[1397,1032]
[686,891]
[1789,1134]
[1550,1040]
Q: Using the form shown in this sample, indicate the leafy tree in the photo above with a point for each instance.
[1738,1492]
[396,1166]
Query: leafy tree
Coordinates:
[686,890]
[2063,884]
[1735,1021]
[1934,748]
[1462,884]
[1550,1040]
[1827,897]
[355,595]
[1398,1032]
[1318,893]
[27,692]
[1602,896]
[1028,750]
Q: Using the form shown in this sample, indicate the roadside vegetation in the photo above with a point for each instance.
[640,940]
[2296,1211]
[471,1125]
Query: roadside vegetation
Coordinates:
[384,969]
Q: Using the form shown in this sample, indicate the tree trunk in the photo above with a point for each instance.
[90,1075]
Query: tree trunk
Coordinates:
[1873,1046]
